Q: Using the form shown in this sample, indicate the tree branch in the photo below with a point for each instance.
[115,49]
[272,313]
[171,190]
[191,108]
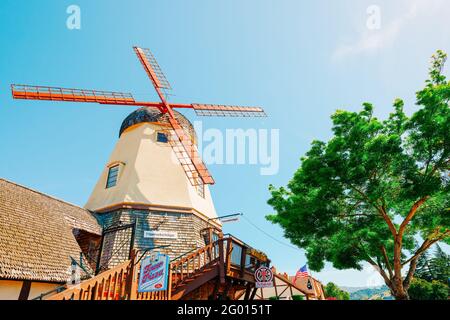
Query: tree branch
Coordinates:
[380,209]
[426,244]
[386,260]
[411,214]
[380,270]
[411,271]
[377,267]
[388,221]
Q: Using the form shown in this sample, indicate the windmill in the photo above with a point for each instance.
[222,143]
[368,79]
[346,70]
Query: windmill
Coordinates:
[182,144]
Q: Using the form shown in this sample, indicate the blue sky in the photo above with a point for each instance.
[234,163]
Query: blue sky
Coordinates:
[300,60]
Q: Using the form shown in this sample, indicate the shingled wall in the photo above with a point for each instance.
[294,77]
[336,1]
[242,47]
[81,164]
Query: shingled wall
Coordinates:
[188,227]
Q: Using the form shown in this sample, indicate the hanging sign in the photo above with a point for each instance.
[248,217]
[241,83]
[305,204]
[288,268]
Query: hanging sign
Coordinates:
[161,234]
[154,273]
[263,277]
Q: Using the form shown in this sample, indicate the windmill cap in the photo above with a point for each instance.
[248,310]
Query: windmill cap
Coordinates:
[153,115]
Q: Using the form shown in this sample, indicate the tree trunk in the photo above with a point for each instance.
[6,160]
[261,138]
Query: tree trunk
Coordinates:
[400,294]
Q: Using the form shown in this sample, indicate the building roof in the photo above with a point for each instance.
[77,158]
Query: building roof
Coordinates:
[154,115]
[36,238]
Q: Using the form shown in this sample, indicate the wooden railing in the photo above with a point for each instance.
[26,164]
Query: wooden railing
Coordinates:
[109,285]
[194,262]
[233,258]
[230,253]
[119,283]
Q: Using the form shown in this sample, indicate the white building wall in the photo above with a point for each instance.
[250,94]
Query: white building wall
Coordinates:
[150,174]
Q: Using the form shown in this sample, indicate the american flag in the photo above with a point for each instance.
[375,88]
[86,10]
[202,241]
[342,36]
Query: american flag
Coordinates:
[302,272]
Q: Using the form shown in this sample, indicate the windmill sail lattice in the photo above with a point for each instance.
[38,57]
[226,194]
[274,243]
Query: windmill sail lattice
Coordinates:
[182,144]
[152,68]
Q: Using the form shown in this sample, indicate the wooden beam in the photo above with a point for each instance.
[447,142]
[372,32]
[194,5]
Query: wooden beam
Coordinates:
[248,291]
[275,286]
[131,282]
[287,286]
[221,262]
[252,296]
[25,290]
[225,291]
[216,289]
[228,259]
[243,256]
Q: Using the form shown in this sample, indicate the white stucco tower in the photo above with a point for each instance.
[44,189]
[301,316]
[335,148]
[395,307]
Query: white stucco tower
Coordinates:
[148,171]
[144,181]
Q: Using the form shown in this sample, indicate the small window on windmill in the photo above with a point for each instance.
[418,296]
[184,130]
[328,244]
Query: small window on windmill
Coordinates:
[162,137]
[113,173]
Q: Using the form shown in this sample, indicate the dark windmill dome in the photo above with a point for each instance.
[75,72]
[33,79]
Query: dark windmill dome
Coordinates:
[154,115]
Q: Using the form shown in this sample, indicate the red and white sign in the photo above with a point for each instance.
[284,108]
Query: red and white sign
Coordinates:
[264,277]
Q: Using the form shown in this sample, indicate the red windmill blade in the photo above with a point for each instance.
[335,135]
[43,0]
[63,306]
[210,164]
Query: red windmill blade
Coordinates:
[195,168]
[182,144]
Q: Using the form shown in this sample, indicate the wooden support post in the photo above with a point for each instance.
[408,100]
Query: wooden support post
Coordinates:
[25,290]
[131,281]
[248,290]
[169,284]
[228,260]
[215,290]
[225,291]
[275,286]
[252,296]
[243,256]
[221,262]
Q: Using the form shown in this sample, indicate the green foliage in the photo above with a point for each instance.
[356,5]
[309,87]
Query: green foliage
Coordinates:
[424,290]
[274,298]
[340,201]
[297,297]
[420,289]
[440,290]
[332,290]
[435,268]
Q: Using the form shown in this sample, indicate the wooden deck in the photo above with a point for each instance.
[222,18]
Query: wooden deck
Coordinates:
[221,270]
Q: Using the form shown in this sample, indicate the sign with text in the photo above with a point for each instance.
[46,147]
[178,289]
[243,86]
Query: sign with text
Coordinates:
[161,234]
[154,273]
[263,277]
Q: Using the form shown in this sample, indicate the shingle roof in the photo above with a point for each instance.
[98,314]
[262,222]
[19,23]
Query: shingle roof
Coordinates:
[36,239]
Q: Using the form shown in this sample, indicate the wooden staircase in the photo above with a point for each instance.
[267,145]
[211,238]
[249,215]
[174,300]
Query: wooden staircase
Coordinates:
[225,263]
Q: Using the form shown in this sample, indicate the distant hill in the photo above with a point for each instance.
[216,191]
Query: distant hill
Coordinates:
[353,289]
[369,293]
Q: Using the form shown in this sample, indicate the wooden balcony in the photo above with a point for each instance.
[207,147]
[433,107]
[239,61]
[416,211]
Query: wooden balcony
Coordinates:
[228,264]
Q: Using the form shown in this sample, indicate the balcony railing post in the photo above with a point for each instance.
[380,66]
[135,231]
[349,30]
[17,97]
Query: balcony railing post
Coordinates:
[243,260]
[221,262]
[169,284]
[131,281]
[229,251]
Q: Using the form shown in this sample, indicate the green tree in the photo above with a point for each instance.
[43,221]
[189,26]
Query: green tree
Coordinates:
[440,265]
[423,270]
[333,291]
[345,200]
[440,290]
[420,289]
[435,268]
[425,290]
